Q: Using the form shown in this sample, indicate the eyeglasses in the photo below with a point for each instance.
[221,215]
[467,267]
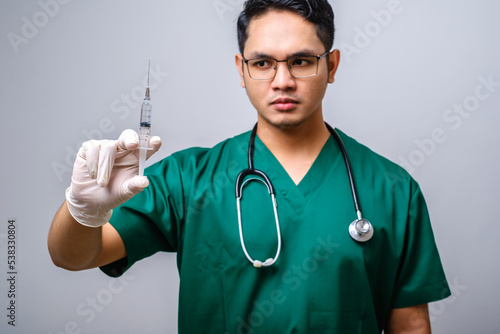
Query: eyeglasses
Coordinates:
[299,66]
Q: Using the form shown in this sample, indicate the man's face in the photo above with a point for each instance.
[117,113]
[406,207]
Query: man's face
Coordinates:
[285,101]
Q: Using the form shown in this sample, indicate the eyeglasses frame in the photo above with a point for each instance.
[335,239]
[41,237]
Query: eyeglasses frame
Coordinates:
[318,57]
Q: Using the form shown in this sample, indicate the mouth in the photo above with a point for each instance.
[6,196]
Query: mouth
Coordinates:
[284,103]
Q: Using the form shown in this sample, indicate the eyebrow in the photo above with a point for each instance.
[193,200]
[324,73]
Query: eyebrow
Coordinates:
[300,53]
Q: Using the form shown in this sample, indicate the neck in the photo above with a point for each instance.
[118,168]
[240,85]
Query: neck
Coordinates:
[296,148]
[294,139]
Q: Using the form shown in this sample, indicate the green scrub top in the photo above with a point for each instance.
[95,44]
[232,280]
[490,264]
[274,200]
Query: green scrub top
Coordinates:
[323,281]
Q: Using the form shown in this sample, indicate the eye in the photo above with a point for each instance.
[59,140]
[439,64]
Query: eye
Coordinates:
[261,64]
[301,62]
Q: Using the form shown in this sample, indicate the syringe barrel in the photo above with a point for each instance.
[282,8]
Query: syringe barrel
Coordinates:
[145,123]
[144,132]
[146,113]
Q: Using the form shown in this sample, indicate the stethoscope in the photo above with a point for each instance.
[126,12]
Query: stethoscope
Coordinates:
[360,229]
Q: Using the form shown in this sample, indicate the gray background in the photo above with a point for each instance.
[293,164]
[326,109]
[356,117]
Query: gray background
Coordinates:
[71,70]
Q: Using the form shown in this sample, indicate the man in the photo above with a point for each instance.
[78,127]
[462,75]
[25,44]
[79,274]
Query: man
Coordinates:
[317,278]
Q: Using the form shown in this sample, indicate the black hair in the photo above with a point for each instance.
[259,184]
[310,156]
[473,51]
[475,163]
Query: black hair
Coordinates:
[318,12]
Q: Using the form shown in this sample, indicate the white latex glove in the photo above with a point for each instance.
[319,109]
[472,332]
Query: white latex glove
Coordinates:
[105,176]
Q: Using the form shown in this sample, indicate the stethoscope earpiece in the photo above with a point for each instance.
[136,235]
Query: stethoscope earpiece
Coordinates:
[267,263]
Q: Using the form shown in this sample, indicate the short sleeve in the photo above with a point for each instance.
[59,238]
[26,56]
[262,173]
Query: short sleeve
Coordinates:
[149,222]
[421,277]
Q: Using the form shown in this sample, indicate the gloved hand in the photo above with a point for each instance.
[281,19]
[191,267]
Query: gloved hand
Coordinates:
[105,176]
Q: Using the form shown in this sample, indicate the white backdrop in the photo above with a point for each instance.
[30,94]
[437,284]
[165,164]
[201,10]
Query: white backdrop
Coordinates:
[419,82]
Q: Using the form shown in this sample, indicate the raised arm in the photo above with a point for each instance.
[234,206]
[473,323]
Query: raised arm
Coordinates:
[74,246]
[104,176]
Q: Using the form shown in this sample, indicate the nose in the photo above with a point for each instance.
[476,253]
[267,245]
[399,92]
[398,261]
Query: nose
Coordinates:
[283,80]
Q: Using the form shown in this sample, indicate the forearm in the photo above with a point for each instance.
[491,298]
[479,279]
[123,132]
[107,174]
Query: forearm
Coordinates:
[409,320]
[71,245]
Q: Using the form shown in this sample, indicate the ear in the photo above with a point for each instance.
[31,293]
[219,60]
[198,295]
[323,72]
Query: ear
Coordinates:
[333,65]
[238,59]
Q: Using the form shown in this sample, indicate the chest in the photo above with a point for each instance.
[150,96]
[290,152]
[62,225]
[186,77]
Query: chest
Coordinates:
[314,225]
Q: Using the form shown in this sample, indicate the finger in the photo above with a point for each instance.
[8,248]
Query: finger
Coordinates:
[90,153]
[107,154]
[133,186]
[128,140]
[154,145]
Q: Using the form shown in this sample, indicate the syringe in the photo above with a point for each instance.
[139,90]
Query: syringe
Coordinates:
[144,128]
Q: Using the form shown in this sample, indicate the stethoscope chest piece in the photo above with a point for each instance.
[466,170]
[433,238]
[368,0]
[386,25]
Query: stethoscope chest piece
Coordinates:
[361,230]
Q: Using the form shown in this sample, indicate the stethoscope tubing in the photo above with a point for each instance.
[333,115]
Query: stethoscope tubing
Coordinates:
[362,234]
[341,145]
[270,261]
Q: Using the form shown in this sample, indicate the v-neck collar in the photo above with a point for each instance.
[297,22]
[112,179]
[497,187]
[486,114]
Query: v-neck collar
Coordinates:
[326,160]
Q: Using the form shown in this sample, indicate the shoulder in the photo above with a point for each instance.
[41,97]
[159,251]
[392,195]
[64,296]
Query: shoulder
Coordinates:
[360,152]
[369,165]
[206,158]
[229,147]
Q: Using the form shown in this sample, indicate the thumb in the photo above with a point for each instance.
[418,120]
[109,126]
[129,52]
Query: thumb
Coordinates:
[133,186]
